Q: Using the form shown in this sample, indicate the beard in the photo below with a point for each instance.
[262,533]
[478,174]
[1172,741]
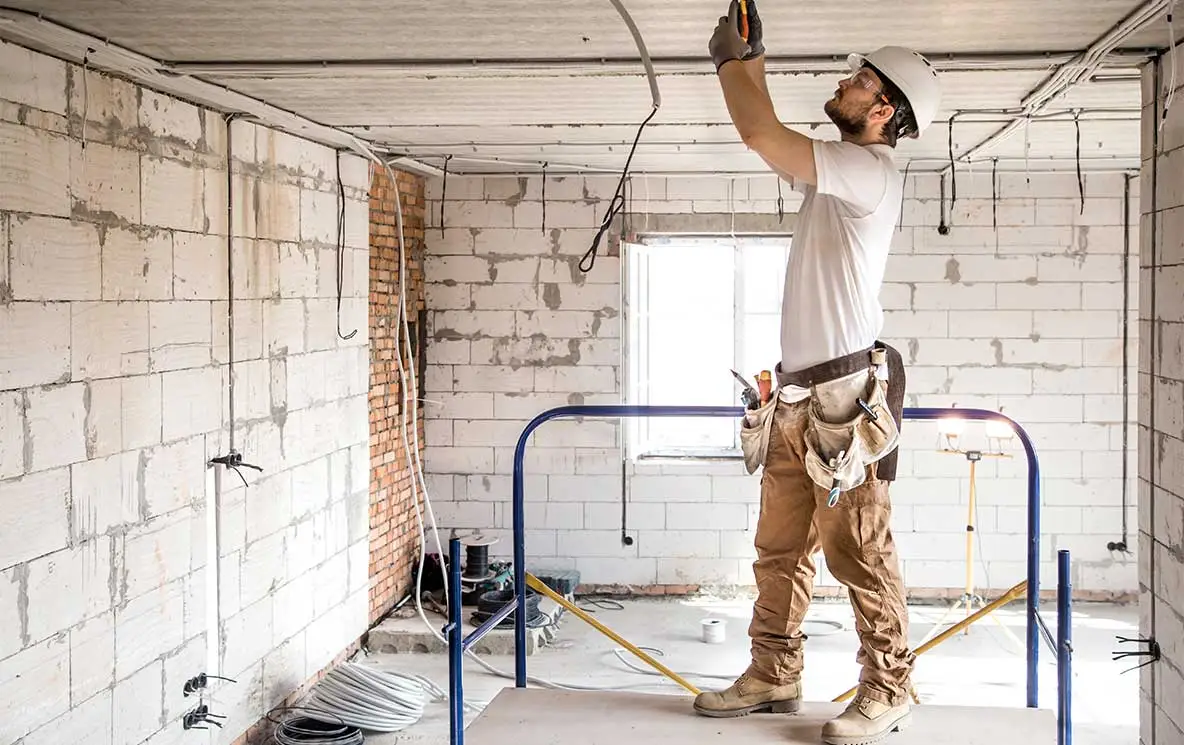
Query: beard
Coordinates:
[848,123]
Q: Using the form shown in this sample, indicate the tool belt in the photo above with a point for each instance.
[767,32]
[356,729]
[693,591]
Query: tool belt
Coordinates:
[853,418]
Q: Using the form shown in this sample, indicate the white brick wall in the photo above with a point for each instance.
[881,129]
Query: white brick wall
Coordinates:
[1028,318]
[1161,426]
[113,396]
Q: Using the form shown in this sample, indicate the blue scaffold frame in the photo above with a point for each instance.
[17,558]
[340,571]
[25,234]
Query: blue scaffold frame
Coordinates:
[459,644]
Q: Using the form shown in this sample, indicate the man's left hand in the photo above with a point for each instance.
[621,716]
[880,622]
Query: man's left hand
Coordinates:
[726,44]
[756,36]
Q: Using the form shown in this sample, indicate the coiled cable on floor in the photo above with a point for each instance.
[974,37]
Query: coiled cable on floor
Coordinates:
[314,728]
[372,699]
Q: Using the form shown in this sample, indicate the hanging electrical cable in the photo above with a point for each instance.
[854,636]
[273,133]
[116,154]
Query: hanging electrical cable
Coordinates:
[953,169]
[443,192]
[618,201]
[544,185]
[1080,178]
[341,249]
[995,193]
[904,180]
[1171,94]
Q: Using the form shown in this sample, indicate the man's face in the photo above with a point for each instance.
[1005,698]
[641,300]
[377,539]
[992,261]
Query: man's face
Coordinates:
[854,99]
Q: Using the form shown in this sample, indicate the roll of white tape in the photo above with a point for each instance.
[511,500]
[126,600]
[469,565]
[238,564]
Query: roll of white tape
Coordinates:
[713,630]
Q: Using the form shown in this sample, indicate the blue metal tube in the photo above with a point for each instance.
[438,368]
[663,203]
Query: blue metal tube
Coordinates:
[920,414]
[1064,650]
[519,501]
[456,698]
[1033,597]
[489,624]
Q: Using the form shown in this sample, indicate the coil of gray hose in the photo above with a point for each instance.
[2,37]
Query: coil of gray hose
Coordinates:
[370,699]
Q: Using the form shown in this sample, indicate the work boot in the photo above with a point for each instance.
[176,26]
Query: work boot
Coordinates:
[748,695]
[866,721]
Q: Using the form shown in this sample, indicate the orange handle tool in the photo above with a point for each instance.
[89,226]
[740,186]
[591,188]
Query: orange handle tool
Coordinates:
[764,384]
[744,20]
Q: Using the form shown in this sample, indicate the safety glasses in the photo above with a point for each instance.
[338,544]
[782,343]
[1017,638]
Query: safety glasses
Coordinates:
[863,78]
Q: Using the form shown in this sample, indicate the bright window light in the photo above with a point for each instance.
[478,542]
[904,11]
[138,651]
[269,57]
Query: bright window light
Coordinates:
[698,308]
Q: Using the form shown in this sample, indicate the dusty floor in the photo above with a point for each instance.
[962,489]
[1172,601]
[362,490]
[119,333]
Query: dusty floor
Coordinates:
[983,668]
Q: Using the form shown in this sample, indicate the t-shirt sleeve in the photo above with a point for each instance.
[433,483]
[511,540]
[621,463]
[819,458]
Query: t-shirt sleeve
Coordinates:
[851,173]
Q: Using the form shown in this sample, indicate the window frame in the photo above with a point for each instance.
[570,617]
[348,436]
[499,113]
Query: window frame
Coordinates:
[639,445]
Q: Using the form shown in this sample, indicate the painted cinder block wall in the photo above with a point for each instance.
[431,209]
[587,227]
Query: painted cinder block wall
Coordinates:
[1161,407]
[113,397]
[1028,316]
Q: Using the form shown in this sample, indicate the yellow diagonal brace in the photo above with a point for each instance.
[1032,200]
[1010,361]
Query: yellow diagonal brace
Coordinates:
[983,612]
[537,584]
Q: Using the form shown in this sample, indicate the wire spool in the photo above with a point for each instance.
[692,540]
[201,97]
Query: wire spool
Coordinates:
[477,558]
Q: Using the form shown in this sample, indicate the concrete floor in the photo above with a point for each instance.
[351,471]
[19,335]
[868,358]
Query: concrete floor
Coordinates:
[982,669]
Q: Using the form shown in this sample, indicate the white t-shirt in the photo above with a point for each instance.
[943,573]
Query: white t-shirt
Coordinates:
[831,305]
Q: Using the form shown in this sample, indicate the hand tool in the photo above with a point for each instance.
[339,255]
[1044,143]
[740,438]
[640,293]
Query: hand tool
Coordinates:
[744,20]
[764,382]
[750,395]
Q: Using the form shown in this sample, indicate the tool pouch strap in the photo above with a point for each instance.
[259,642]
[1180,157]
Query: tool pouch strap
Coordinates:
[754,439]
[839,450]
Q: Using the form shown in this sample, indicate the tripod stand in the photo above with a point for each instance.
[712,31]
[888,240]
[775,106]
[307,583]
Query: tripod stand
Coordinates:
[970,601]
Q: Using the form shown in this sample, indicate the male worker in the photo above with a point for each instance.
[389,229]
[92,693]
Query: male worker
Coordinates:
[826,487]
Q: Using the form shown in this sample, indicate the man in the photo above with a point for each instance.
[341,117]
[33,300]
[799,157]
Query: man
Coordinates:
[817,489]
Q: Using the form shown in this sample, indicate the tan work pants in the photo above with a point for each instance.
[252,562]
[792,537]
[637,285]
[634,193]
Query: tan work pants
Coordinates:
[855,537]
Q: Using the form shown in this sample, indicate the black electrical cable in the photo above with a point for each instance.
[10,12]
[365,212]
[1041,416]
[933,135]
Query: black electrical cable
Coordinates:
[995,193]
[1126,293]
[953,170]
[1080,178]
[903,182]
[943,228]
[489,603]
[317,727]
[443,195]
[588,604]
[544,199]
[780,203]
[617,202]
[341,247]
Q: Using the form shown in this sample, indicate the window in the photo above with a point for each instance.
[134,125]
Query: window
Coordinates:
[699,307]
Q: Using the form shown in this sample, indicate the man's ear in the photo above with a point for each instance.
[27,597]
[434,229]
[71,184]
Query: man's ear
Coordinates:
[881,113]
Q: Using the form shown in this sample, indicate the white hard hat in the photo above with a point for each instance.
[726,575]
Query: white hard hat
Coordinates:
[912,74]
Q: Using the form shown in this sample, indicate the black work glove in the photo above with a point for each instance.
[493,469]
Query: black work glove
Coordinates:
[756,38]
[726,44]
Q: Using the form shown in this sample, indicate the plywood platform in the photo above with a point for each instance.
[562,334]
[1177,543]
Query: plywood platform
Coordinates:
[546,717]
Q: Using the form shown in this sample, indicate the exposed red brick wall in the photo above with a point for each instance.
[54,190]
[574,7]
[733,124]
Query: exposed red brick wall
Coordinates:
[393,533]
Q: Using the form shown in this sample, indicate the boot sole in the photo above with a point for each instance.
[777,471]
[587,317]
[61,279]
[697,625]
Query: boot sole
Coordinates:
[769,707]
[898,726]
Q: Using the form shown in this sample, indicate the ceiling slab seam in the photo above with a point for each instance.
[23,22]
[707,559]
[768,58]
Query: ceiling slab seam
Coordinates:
[35,32]
[630,67]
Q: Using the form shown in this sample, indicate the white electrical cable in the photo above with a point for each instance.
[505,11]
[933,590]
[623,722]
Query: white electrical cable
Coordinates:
[370,699]
[641,49]
[1171,95]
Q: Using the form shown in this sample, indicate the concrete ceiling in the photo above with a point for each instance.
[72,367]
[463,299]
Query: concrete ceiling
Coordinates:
[525,83]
